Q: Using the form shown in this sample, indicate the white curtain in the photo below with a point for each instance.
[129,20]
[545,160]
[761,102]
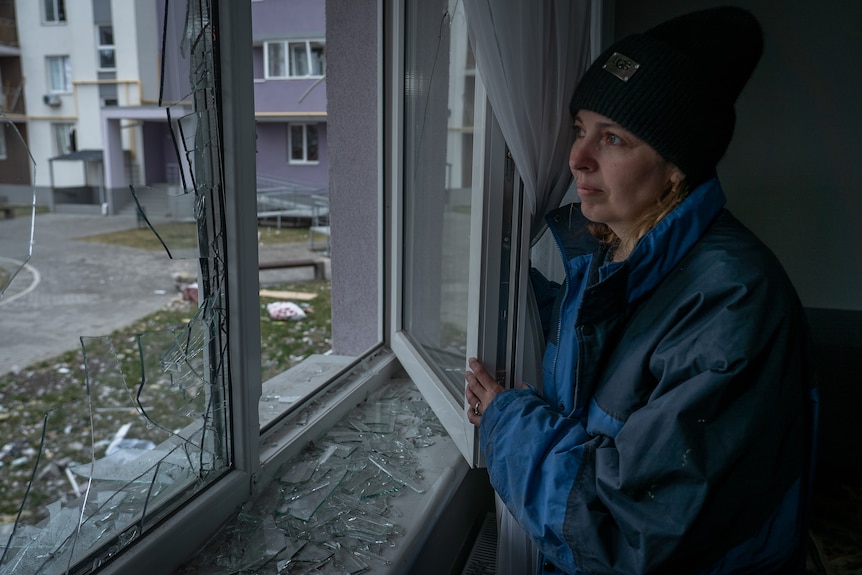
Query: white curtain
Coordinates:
[529,55]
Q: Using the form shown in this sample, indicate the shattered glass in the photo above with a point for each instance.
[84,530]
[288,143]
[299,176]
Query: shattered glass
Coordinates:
[143,422]
[14,258]
[334,507]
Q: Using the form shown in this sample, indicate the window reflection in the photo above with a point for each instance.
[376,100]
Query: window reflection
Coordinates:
[438,177]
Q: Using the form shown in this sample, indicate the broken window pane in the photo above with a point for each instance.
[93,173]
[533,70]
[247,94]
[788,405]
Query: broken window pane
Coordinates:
[17,248]
[129,427]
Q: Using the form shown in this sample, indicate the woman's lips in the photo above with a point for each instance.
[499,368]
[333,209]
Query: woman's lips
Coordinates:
[587,191]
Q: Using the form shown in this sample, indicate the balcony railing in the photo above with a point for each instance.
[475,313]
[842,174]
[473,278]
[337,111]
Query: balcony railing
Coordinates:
[12,99]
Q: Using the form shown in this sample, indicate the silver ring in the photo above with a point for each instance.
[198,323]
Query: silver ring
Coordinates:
[476,408]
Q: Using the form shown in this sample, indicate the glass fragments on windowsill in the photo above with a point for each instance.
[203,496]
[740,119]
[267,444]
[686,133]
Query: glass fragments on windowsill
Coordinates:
[335,507]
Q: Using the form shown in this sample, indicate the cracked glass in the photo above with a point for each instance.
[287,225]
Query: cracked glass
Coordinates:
[107,440]
[17,250]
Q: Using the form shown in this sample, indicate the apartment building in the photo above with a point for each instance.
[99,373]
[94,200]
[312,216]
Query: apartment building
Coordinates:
[95,93]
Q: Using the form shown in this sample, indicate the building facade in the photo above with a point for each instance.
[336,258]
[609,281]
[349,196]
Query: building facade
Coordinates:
[90,92]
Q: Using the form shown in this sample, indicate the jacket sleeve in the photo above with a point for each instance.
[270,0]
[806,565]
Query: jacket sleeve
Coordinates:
[691,473]
[533,454]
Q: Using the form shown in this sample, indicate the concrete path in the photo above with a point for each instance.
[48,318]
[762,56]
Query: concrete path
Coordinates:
[72,288]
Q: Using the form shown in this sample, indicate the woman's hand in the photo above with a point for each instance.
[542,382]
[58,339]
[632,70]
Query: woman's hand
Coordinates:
[482,388]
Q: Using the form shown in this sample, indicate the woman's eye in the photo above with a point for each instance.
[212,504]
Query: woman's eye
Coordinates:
[579,131]
[613,139]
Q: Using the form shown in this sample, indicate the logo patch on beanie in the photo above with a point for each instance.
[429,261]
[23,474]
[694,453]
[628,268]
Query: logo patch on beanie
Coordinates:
[621,66]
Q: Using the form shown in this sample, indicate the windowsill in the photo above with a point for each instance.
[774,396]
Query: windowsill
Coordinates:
[301,380]
[388,471]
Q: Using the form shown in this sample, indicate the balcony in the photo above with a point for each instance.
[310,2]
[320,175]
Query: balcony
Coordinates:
[12,99]
[8,38]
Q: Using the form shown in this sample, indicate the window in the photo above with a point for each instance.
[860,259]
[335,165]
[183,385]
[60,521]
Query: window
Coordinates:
[197,429]
[105,47]
[3,141]
[454,268]
[55,11]
[64,138]
[59,74]
[443,303]
[294,59]
[303,143]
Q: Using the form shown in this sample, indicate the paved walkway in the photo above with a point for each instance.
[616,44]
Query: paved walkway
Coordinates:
[71,288]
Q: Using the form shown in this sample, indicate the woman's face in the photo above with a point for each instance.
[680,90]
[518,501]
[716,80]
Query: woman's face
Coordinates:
[619,176]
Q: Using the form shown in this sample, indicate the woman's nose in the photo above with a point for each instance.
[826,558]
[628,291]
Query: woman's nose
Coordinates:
[580,157]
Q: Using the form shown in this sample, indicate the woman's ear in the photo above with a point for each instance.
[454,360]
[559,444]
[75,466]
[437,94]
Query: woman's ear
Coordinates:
[676,176]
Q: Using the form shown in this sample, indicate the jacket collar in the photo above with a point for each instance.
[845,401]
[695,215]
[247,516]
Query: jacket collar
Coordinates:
[657,253]
[662,248]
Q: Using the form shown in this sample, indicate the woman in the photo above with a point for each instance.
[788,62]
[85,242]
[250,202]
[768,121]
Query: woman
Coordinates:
[673,430]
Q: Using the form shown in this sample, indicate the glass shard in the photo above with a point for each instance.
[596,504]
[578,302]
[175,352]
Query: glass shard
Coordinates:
[333,507]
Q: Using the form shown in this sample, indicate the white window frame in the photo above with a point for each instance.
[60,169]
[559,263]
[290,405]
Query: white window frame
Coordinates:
[58,70]
[486,251]
[105,48]
[285,51]
[305,129]
[54,12]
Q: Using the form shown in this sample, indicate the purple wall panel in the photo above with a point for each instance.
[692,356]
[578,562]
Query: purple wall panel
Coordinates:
[289,18]
[300,95]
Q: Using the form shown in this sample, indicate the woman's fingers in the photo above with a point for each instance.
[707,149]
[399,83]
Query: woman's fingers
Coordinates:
[479,375]
[480,390]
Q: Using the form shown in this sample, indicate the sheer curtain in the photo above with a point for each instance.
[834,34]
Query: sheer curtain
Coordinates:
[529,55]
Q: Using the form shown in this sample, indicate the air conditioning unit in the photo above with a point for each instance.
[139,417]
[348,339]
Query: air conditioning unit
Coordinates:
[52,100]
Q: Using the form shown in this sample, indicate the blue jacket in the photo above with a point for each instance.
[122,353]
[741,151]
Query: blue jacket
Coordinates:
[673,429]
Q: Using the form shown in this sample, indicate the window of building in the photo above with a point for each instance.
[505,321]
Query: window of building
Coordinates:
[105,47]
[54,11]
[64,138]
[303,143]
[59,74]
[294,59]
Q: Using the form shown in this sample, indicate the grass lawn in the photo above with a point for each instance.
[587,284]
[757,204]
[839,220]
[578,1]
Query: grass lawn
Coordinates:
[183,234]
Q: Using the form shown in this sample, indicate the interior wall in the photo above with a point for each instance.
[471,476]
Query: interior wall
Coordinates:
[353,147]
[791,174]
[792,170]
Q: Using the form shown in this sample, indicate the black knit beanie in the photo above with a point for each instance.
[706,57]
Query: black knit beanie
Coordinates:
[675,85]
